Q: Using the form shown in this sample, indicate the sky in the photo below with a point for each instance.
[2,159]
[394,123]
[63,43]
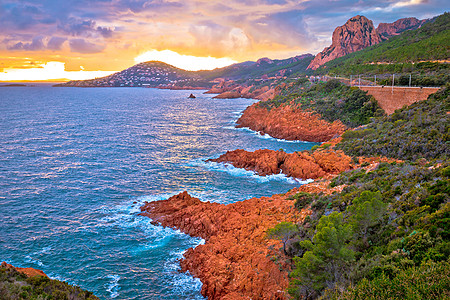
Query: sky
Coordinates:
[91,38]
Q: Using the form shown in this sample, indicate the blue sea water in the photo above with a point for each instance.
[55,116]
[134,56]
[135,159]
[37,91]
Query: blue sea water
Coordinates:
[76,165]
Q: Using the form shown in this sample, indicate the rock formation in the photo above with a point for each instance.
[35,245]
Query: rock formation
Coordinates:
[235,262]
[359,33]
[303,165]
[229,89]
[386,30]
[356,34]
[30,272]
[285,122]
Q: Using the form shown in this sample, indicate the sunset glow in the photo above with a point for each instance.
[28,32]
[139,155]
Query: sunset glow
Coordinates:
[48,40]
[186,62]
[49,71]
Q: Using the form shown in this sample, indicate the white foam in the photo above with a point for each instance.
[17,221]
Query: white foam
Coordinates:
[238,172]
[266,136]
[113,285]
[34,260]
[183,283]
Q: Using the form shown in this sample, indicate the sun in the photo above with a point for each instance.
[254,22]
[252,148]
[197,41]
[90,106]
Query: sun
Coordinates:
[186,62]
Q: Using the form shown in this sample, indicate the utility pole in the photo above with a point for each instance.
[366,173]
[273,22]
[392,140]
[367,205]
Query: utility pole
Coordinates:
[393,78]
[375,80]
[409,80]
[359,80]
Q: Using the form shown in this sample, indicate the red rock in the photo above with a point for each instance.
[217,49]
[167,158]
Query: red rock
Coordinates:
[30,272]
[286,122]
[301,165]
[359,33]
[386,30]
[234,263]
[356,34]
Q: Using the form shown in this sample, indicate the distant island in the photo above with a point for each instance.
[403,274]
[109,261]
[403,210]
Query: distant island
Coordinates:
[13,85]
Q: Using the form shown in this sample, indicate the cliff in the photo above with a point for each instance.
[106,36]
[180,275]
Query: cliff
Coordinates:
[386,30]
[29,272]
[303,165]
[29,283]
[356,34]
[359,33]
[235,262]
[289,123]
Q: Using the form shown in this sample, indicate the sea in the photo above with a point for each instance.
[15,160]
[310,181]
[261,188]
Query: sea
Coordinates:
[76,165]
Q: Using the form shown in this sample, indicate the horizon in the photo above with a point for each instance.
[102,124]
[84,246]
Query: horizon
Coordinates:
[47,41]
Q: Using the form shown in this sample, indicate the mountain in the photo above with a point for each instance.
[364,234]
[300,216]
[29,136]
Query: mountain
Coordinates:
[386,30]
[359,33]
[425,50]
[263,67]
[151,74]
[162,75]
[356,34]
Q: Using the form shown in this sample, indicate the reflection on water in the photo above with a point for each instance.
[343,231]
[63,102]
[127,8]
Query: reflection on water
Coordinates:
[76,165]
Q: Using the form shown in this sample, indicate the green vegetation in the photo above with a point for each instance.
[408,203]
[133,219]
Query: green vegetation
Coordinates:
[421,130]
[15,285]
[387,234]
[250,70]
[403,54]
[387,225]
[332,100]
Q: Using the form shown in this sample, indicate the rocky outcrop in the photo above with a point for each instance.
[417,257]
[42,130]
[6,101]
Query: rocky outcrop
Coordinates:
[356,34]
[303,165]
[229,89]
[235,261]
[30,272]
[359,33]
[289,123]
[386,30]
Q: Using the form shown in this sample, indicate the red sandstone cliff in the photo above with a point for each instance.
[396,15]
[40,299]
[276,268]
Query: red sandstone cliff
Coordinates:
[289,123]
[359,33]
[235,261]
[302,165]
[386,30]
[229,89]
[30,272]
[356,34]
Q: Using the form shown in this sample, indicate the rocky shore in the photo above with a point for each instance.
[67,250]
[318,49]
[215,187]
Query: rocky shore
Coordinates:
[29,272]
[303,165]
[236,261]
[229,89]
[286,122]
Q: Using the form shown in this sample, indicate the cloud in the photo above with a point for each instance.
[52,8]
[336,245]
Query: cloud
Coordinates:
[243,30]
[85,47]
[55,43]
[36,44]
[88,28]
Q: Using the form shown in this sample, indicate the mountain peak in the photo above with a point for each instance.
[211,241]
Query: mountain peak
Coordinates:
[359,33]
[387,30]
[356,34]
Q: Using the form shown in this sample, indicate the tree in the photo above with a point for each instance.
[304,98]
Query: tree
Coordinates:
[366,211]
[325,262]
[282,231]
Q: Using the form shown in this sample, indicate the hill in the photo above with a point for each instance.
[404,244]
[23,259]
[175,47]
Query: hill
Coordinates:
[162,75]
[424,50]
[359,33]
[150,74]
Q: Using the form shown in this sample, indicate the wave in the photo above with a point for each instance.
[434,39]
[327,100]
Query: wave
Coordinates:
[182,283]
[113,286]
[239,172]
[269,137]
